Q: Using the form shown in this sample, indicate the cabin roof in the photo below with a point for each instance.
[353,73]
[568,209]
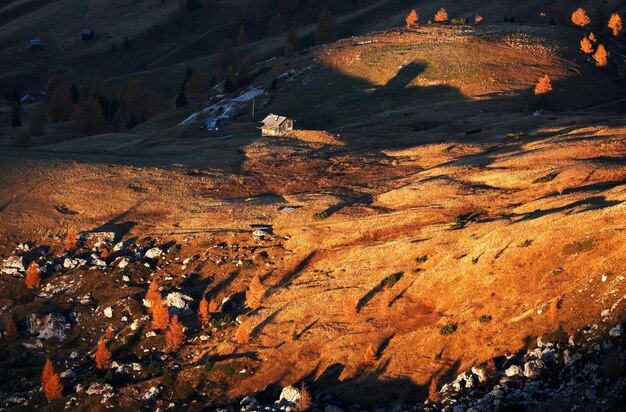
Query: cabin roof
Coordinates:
[274,120]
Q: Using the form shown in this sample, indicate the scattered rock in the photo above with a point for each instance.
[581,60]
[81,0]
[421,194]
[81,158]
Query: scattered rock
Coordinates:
[178,302]
[534,368]
[616,331]
[47,327]
[153,253]
[108,312]
[513,370]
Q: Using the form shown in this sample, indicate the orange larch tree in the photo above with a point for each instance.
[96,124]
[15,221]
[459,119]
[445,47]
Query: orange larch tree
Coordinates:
[412,19]
[103,356]
[586,46]
[153,294]
[33,277]
[160,315]
[203,312]
[175,336]
[543,86]
[370,355]
[478,19]
[242,334]
[615,24]
[10,332]
[214,305]
[601,56]
[580,17]
[441,15]
[255,293]
[70,239]
[592,37]
[51,382]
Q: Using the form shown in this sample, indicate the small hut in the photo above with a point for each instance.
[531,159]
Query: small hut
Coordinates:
[87,34]
[214,123]
[274,125]
[33,44]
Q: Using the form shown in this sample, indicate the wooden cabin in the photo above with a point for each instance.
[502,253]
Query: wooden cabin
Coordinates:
[87,34]
[33,44]
[274,125]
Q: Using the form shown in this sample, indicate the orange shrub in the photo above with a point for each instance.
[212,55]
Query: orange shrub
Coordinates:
[433,392]
[615,24]
[242,335]
[203,312]
[478,19]
[51,382]
[412,19]
[255,293]
[601,56]
[10,332]
[160,315]
[580,17]
[586,46]
[105,254]
[103,356]
[306,401]
[441,15]
[544,86]
[214,305]
[370,355]
[153,294]
[33,277]
[175,336]
[70,239]
[109,333]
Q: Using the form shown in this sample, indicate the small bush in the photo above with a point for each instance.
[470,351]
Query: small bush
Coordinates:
[485,318]
[459,222]
[516,134]
[448,329]
[390,280]
[421,259]
[320,215]
[547,178]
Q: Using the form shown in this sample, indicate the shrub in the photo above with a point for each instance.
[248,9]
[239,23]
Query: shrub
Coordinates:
[543,86]
[580,17]
[153,294]
[88,119]
[255,293]
[204,317]
[390,280]
[306,401]
[601,56]
[448,329]
[586,46]
[175,336]
[459,222]
[160,315]
[242,335]
[441,15]
[320,216]
[10,332]
[547,178]
[33,277]
[412,19]
[485,318]
[478,19]
[71,239]
[615,24]
[326,30]
[370,355]
[103,356]
[421,259]
[51,382]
